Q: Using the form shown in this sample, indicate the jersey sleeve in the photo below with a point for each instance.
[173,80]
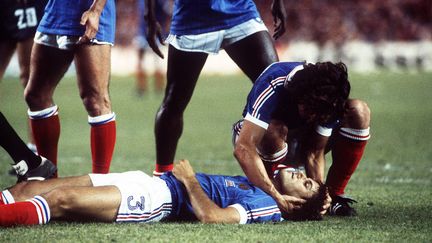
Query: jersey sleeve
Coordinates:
[259,209]
[263,100]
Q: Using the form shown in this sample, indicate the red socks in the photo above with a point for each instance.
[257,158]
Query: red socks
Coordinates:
[102,139]
[160,169]
[31,212]
[346,153]
[45,126]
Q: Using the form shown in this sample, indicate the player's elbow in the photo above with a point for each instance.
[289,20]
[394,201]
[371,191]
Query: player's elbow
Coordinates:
[209,218]
[240,152]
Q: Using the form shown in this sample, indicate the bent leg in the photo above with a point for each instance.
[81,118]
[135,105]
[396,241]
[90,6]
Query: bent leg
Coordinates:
[253,54]
[93,64]
[349,145]
[182,75]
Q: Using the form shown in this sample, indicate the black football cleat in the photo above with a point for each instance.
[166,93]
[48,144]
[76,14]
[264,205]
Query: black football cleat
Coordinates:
[44,171]
[341,206]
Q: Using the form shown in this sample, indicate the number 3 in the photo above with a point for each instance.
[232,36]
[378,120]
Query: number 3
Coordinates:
[30,18]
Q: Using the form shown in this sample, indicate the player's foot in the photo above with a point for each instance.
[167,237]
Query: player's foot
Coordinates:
[44,171]
[341,206]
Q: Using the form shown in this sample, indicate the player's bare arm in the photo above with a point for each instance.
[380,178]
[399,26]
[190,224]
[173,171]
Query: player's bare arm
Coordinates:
[153,27]
[315,156]
[279,16]
[252,165]
[90,19]
[205,209]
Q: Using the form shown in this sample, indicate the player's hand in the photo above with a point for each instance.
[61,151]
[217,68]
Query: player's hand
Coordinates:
[326,206]
[279,16]
[183,171]
[288,204]
[90,19]
[154,30]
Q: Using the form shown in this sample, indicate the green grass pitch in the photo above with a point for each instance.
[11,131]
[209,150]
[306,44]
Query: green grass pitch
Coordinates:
[392,183]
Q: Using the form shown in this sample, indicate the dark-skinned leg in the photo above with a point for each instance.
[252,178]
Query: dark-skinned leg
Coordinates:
[253,54]
[182,74]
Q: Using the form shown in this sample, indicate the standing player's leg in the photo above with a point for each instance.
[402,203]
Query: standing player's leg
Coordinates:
[93,64]
[26,163]
[48,65]
[182,74]
[72,198]
[347,151]
[253,54]
[24,54]
[7,49]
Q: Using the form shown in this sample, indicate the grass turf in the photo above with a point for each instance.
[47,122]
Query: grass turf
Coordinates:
[392,183]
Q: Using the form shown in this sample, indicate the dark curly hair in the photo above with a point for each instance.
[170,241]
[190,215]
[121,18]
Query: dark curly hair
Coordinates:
[311,209]
[322,88]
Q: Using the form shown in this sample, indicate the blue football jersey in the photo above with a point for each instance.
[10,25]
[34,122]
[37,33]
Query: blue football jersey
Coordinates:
[253,204]
[191,17]
[62,17]
[268,99]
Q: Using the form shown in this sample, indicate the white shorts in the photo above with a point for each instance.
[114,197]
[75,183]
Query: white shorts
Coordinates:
[63,42]
[144,199]
[212,42]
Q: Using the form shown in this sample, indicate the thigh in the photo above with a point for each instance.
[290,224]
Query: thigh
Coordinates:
[48,66]
[183,71]
[7,48]
[28,189]
[253,54]
[84,203]
[24,52]
[93,65]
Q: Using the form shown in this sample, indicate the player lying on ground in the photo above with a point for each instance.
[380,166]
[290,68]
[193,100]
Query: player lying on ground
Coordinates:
[178,195]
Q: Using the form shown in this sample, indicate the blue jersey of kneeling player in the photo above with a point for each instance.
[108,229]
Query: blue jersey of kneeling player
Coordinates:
[62,17]
[253,204]
[268,99]
[192,17]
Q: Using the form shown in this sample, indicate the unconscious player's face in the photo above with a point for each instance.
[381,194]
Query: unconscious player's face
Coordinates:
[297,184]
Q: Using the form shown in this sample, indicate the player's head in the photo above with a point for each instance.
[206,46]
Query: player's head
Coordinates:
[298,185]
[320,90]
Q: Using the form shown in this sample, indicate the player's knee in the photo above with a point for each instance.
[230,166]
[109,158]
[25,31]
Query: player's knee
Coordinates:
[32,97]
[96,104]
[61,201]
[358,114]
[18,191]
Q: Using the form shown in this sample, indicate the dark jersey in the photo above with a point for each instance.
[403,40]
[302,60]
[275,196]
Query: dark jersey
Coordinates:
[19,19]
